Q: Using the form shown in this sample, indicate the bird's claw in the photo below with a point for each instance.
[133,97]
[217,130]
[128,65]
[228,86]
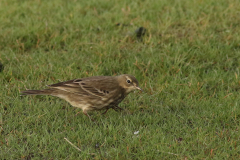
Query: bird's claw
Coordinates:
[117,109]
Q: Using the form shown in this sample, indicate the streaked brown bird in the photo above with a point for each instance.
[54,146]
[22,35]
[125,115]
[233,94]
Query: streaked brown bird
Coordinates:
[92,93]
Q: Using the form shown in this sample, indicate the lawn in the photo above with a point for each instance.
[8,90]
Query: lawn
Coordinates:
[187,63]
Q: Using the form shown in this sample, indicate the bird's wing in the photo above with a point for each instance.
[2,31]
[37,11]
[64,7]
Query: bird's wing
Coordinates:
[96,86]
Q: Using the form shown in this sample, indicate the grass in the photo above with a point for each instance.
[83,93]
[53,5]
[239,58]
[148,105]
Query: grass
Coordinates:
[187,63]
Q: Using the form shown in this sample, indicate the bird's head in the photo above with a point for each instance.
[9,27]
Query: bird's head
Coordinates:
[128,82]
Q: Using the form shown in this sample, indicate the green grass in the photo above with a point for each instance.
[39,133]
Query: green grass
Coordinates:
[187,63]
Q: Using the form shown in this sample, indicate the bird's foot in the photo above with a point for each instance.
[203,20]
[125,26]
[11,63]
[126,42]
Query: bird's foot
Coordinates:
[85,113]
[105,111]
[77,113]
[117,109]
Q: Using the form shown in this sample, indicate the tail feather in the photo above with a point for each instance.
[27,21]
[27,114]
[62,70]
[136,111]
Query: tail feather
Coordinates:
[37,92]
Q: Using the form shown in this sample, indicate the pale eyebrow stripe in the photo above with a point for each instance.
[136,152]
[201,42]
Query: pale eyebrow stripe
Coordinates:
[129,78]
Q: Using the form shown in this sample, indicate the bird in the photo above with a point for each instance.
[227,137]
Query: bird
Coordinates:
[92,93]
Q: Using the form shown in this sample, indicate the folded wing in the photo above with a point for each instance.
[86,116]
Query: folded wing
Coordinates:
[99,86]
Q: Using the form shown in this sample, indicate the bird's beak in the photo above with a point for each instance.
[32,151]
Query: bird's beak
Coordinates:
[139,89]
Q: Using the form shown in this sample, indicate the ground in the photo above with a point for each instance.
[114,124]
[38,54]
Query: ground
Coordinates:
[187,63]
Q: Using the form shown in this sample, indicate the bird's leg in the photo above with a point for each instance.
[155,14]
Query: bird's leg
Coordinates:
[116,108]
[105,111]
[77,113]
[85,112]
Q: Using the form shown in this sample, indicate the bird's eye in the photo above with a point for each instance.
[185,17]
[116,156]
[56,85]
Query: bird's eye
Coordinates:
[128,81]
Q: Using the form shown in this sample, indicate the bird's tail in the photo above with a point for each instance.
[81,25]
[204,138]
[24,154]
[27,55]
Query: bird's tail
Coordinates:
[38,92]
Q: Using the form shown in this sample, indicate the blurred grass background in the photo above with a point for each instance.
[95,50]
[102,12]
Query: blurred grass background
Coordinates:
[187,63]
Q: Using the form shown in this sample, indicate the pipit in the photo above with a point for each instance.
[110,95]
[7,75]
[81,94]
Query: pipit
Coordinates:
[92,93]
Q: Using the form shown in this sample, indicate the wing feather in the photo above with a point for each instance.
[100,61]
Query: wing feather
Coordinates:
[99,86]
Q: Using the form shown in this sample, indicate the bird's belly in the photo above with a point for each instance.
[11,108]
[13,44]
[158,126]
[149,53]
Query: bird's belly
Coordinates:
[93,103]
[106,103]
